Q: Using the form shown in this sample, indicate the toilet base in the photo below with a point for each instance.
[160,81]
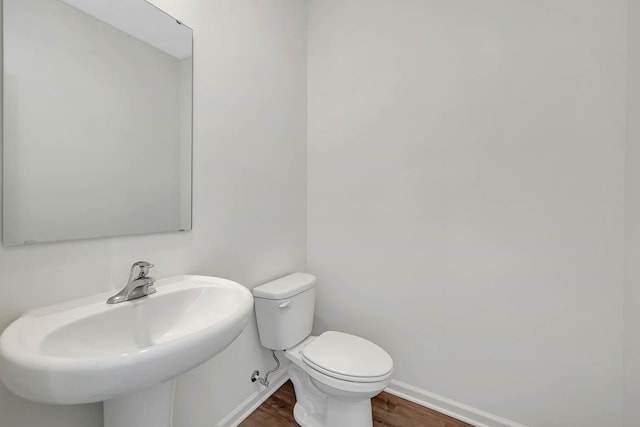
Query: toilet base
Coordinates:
[349,414]
[317,409]
[307,419]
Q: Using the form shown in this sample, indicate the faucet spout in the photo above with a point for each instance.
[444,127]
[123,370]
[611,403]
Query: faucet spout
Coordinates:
[138,286]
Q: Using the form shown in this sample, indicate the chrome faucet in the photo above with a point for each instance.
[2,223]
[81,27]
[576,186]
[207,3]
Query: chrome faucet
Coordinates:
[139,284]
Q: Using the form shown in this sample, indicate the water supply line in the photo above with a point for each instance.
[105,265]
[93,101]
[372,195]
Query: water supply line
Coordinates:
[255,376]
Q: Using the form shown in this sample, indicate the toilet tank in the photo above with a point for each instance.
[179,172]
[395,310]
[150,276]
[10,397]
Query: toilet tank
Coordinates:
[284,310]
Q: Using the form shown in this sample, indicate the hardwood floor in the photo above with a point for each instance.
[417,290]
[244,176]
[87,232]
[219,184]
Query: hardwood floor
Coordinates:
[388,411]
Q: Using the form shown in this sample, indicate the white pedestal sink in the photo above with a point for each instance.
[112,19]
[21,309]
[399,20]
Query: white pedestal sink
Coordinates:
[125,354]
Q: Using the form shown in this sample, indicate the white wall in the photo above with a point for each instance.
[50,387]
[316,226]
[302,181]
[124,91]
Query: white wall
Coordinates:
[632,294]
[249,202]
[466,196]
[114,120]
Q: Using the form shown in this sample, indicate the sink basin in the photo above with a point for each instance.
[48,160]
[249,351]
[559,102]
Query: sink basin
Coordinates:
[86,350]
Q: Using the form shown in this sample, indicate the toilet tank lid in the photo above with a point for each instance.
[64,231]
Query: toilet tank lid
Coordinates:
[285,287]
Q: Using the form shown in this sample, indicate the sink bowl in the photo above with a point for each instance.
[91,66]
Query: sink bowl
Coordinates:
[86,350]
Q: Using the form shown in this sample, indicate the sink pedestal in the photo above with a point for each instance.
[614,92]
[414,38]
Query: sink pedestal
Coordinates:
[152,407]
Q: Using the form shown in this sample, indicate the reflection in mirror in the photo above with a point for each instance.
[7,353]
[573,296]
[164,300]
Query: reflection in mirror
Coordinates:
[97,98]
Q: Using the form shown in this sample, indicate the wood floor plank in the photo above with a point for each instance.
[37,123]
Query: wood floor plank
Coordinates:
[388,411]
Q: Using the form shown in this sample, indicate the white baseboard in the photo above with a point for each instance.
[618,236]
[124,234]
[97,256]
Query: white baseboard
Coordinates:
[448,407]
[251,403]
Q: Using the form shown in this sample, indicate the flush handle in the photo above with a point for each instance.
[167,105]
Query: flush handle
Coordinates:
[285,304]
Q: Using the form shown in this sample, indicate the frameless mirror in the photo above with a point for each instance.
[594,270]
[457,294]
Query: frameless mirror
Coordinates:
[97,100]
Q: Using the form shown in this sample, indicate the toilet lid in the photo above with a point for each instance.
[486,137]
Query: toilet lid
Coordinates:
[347,356]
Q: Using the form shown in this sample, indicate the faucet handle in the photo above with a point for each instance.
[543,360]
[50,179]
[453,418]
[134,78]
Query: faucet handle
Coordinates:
[144,268]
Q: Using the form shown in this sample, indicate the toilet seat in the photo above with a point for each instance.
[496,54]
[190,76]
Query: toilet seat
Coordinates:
[347,357]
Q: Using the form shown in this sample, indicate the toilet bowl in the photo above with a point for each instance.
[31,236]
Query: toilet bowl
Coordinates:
[335,374]
[328,393]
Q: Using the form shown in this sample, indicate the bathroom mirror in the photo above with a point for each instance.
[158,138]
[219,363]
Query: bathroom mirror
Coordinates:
[97,113]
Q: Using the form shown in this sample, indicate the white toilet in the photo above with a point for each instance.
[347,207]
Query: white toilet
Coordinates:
[335,375]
